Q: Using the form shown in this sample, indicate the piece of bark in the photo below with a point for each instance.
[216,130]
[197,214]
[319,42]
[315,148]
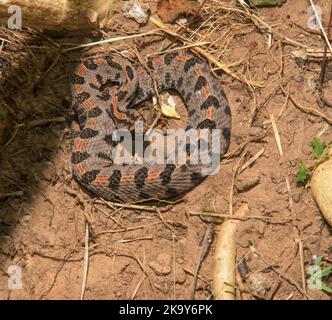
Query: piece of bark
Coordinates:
[58,14]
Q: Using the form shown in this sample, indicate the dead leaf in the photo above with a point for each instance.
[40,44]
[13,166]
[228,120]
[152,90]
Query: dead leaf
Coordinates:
[169,10]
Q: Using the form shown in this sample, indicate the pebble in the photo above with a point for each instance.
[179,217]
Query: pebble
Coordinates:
[298,78]
[180,276]
[247,183]
[258,283]
[162,265]
[327,96]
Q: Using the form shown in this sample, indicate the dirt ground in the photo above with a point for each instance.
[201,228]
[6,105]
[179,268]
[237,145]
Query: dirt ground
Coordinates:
[152,252]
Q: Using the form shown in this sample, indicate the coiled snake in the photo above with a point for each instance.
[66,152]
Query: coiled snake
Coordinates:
[104,92]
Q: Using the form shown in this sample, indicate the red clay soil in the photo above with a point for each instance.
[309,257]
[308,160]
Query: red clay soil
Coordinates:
[153,253]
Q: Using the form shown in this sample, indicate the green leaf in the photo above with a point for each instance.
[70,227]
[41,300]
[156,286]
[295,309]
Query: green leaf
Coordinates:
[302,173]
[250,243]
[326,153]
[317,147]
[326,272]
[318,261]
[325,288]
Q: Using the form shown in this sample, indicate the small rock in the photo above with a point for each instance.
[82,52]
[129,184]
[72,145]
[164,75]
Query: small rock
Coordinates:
[312,84]
[327,96]
[25,219]
[243,268]
[246,183]
[322,189]
[298,78]
[258,283]
[71,216]
[162,265]
[296,197]
[307,149]
[180,276]
[137,11]
[259,228]
[254,131]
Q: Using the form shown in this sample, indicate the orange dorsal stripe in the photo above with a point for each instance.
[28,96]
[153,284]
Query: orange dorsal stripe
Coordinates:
[81,70]
[89,104]
[81,169]
[182,58]
[127,178]
[210,112]
[80,144]
[101,180]
[153,176]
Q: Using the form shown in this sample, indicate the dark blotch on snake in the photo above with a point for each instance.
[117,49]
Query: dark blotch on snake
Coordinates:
[139,94]
[150,64]
[130,72]
[109,140]
[90,176]
[88,133]
[76,106]
[168,78]
[104,96]
[202,145]
[210,101]
[78,157]
[80,98]
[94,87]
[90,64]
[190,63]
[191,112]
[207,124]
[172,192]
[104,156]
[226,133]
[190,149]
[184,167]
[166,175]
[82,120]
[99,78]
[200,83]
[179,82]
[140,176]
[169,57]
[196,177]
[95,112]
[223,94]
[227,110]
[76,79]
[144,195]
[187,97]
[115,179]
[113,64]
[149,93]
